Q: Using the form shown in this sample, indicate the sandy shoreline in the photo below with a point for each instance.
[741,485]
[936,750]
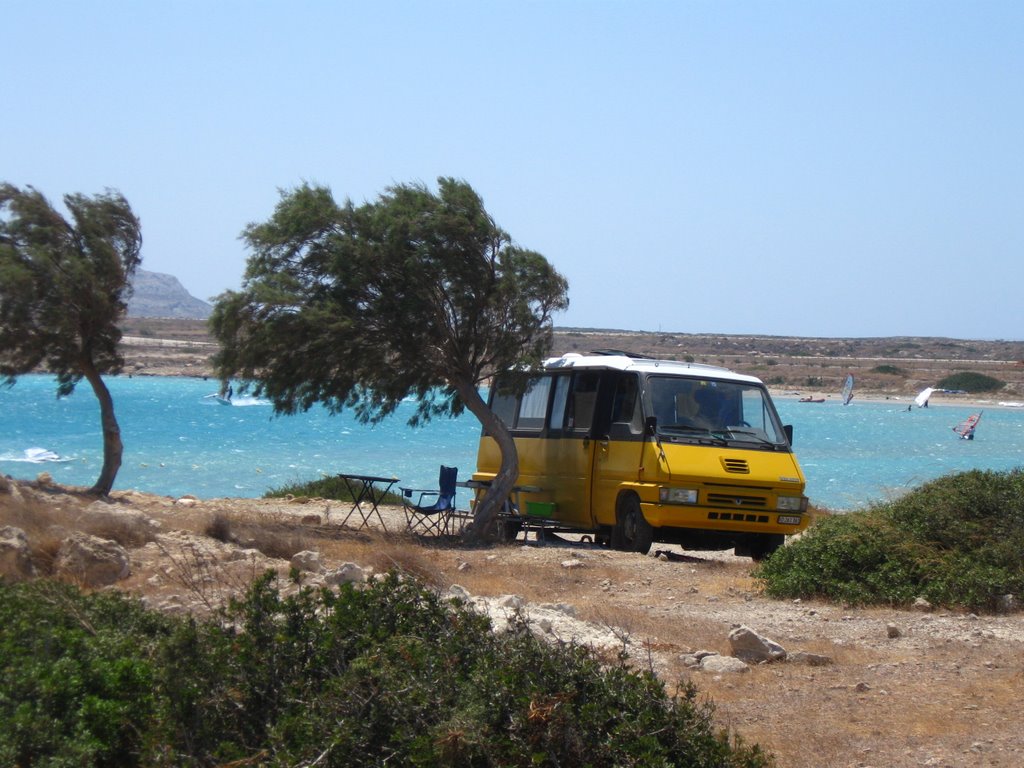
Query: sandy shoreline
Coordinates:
[936,401]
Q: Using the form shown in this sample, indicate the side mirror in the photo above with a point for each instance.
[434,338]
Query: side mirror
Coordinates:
[651,425]
[788,429]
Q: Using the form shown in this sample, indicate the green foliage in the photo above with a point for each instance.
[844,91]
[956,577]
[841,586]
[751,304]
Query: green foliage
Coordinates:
[330,487]
[64,287]
[970,381]
[415,293]
[956,541]
[891,370]
[76,683]
[389,673]
[64,284]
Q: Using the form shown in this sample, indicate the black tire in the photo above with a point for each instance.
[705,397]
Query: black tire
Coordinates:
[764,544]
[632,532]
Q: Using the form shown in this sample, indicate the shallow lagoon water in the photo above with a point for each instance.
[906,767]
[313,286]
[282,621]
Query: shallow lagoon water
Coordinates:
[179,440]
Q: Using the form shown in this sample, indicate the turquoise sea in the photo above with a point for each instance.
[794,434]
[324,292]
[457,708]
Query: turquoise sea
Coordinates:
[178,440]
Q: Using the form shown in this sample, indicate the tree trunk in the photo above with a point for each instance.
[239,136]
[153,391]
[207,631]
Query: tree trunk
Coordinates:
[112,446]
[485,516]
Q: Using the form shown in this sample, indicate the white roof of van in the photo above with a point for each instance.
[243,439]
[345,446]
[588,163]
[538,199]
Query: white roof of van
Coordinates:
[622,362]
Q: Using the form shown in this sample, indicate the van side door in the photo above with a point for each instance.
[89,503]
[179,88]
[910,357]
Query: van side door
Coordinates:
[619,442]
[570,446]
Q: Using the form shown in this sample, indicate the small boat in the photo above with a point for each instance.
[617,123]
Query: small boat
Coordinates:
[811,400]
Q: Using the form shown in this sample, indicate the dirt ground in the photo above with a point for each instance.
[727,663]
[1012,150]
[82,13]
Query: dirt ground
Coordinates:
[902,687]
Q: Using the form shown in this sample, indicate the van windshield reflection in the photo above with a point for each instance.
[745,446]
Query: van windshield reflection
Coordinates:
[724,410]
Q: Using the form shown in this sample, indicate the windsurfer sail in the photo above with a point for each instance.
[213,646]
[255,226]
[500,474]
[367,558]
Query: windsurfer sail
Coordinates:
[921,401]
[848,390]
[966,428]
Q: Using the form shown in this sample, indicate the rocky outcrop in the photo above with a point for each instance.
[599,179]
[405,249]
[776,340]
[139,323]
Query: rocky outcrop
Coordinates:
[91,561]
[15,557]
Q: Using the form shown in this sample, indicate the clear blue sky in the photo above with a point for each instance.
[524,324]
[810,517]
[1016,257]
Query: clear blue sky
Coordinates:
[795,168]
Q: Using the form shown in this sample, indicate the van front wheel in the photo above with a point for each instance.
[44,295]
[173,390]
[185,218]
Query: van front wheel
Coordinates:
[632,532]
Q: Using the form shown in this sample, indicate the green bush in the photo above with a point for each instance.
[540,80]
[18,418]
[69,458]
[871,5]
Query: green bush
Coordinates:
[968,381]
[77,678]
[329,487]
[891,370]
[956,541]
[389,673]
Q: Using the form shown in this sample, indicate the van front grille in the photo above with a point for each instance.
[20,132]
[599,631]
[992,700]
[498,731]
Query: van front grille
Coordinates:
[737,500]
[745,517]
[736,466]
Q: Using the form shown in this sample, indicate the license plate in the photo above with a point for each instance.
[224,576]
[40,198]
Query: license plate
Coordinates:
[789,519]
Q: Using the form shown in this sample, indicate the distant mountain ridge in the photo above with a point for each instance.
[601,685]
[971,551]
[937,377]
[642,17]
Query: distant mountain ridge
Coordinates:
[159,295]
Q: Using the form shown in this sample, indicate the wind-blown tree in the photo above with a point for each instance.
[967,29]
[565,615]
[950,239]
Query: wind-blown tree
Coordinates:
[416,293]
[64,287]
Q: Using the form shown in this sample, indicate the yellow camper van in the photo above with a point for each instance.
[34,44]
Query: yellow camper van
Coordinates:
[635,451]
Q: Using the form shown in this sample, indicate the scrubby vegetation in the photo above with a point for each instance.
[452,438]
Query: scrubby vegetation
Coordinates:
[969,381]
[891,370]
[957,541]
[389,673]
[328,487]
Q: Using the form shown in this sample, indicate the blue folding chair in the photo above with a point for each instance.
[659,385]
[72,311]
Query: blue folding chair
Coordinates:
[432,512]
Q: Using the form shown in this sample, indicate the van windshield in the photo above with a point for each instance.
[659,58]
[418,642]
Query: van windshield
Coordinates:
[724,410]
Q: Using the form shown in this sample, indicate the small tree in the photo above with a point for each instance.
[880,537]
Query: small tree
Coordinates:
[361,306]
[64,287]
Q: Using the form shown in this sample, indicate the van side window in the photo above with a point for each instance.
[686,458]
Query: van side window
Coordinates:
[503,404]
[533,409]
[557,421]
[582,402]
[625,400]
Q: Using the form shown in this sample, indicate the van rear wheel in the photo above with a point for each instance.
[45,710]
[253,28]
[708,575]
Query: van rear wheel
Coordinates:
[632,532]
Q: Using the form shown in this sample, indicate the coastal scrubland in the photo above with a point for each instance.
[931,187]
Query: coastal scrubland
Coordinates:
[864,685]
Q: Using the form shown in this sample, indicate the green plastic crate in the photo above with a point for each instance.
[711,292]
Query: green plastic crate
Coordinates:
[541,508]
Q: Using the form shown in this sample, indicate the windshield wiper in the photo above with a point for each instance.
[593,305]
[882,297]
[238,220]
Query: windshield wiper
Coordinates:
[716,437]
[755,434]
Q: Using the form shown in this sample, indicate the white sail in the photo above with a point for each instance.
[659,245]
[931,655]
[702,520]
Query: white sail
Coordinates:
[922,397]
[848,390]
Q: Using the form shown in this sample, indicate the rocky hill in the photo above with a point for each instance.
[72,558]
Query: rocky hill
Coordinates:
[159,295]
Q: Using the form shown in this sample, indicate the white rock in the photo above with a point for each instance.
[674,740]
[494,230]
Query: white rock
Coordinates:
[348,573]
[307,561]
[92,561]
[459,592]
[15,555]
[717,664]
[749,646]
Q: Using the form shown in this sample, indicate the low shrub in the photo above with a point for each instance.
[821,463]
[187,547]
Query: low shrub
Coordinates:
[327,487]
[969,381]
[957,541]
[387,673]
[890,370]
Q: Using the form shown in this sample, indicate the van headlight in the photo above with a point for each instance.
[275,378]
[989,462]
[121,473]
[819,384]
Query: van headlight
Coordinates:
[791,504]
[677,495]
